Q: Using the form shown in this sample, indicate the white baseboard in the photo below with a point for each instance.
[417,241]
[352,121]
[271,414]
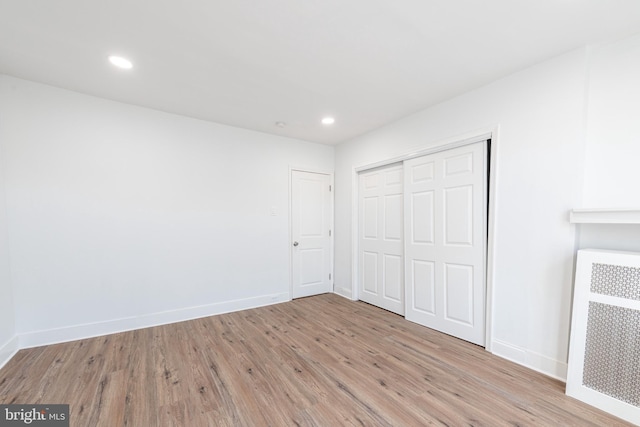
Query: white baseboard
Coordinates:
[8,350]
[530,359]
[344,292]
[553,368]
[77,332]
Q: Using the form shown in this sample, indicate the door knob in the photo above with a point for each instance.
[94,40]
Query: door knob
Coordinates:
[295,243]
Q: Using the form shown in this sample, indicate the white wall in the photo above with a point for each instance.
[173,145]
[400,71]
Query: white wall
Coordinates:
[540,113]
[612,173]
[8,342]
[120,212]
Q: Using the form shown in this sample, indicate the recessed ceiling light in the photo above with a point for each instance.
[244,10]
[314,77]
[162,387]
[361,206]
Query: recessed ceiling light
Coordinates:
[281,124]
[328,121]
[120,62]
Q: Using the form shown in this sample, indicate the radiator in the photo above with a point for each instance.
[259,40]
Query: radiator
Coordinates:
[604,353]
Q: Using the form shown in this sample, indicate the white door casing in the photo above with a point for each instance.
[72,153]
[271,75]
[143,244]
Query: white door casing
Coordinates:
[381,278]
[311,223]
[445,241]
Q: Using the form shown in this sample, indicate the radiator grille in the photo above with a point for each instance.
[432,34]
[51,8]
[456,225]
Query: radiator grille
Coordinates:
[612,352]
[616,281]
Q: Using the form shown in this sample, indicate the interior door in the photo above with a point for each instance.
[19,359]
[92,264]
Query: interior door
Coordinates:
[445,234]
[311,222]
[381,280]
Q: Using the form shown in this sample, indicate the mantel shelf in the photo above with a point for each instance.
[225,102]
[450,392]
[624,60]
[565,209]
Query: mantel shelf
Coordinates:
[605,216]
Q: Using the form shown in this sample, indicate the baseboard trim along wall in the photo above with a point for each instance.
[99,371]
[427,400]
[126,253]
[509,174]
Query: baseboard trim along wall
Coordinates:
[543,364]
[344,292]
[77,332]
[8,350]
[537,362]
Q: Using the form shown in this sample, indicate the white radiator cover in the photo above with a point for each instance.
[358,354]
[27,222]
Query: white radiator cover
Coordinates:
[604,354]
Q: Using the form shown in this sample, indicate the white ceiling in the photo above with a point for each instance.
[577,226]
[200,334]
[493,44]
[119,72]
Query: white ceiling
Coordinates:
[251,63]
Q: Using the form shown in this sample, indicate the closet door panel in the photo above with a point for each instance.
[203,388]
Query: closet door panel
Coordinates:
[445,233]
[381,237]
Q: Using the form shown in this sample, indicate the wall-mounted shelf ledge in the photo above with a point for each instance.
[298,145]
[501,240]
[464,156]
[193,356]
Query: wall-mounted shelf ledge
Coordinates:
[605,216]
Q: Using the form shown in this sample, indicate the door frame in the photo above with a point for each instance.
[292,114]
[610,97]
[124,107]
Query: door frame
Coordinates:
[484,134]
[293,168]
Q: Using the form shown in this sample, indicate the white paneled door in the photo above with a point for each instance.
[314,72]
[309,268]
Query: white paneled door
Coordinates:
[381,278]
[311,222]
[445,234]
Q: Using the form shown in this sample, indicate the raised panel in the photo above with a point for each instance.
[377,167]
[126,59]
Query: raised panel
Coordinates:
[458,216]
[422,173]
[311,194]
[381,232]
[393,177]
[370,272]
[423,285]
[457,165]
[393,277]
[393,217]
[445,241]
[458,285]
[370,218]
[371,181]
[311,263]
[422,217]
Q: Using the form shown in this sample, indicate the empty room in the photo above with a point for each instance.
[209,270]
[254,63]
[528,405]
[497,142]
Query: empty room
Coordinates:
[325,213]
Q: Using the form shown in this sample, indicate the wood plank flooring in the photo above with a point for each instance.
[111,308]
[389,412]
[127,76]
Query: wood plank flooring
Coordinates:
[318,361]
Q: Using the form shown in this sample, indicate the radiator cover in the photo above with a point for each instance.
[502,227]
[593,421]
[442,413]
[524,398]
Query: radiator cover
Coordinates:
[604,357]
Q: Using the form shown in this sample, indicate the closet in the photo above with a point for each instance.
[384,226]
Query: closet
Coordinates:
[422,233]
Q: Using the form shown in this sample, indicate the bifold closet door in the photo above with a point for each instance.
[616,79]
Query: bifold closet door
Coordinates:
[381,280]
[445,235]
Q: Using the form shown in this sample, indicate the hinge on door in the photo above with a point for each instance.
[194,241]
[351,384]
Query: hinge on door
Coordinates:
[329,188]
[329,276]
[329,233]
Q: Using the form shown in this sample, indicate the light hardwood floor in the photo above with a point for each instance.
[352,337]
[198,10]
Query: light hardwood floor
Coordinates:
[318,361]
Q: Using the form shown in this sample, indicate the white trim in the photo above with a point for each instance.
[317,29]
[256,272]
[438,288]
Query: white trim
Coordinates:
[604,216]
[443,145]
[355,209]
[468,138]
[90,330]
[355,194]
[290,228]
[492,215]
[309,169]
[508,351]
[545,365]
[8,350]
[332,221]
[343,292]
